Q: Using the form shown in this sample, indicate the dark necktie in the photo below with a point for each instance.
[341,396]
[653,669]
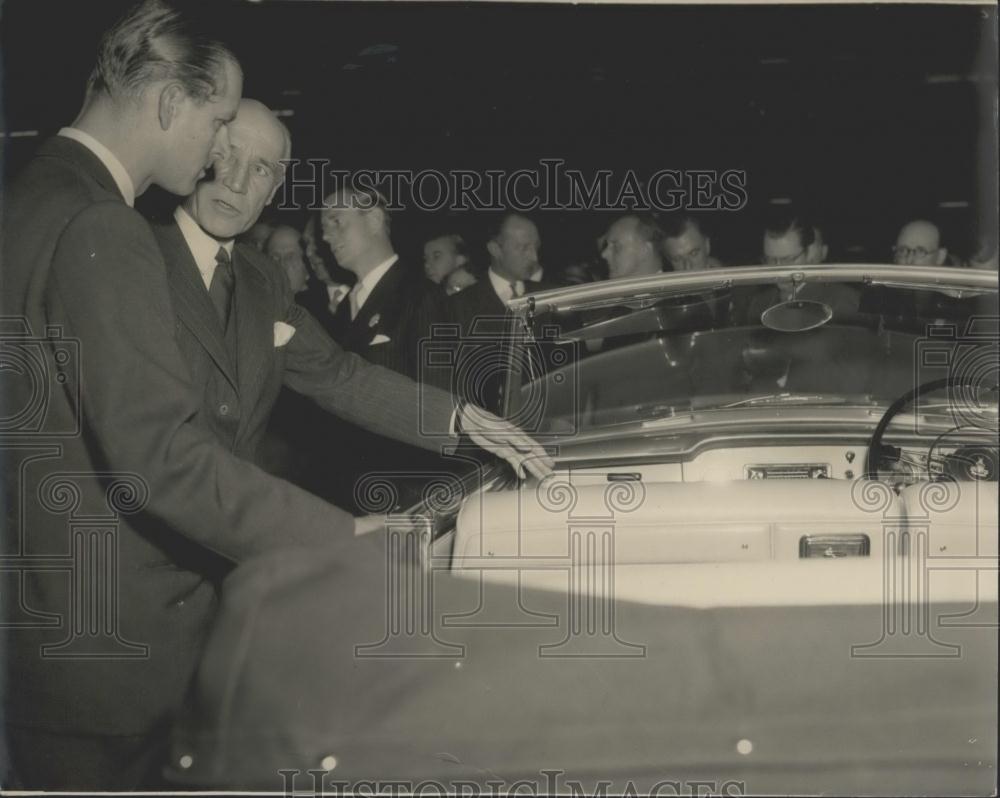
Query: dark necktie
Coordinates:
[221,287]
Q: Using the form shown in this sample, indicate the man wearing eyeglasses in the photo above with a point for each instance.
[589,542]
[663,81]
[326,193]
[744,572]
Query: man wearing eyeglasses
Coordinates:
[919,244]
[790,239]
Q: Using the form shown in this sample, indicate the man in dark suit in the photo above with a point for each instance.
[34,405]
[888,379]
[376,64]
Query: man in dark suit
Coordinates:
[514,246]
[389,308]
[384,318]
[443,254]
[792,239]
[479,310]
[302,357]
[241,346]
[633,247]
[123,503]
[79,264]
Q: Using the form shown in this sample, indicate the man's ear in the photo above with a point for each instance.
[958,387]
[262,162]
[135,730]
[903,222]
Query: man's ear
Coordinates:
[171,97]
[494,249]
[707,247]
[462,261]
[942,255]
[815,253]
[282,169]
[374,218]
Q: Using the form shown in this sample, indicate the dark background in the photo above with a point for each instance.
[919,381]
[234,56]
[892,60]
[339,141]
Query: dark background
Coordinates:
[869,114]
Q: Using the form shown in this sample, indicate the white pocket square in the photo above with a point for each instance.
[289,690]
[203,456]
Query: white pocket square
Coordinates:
[282,333]
[380,339]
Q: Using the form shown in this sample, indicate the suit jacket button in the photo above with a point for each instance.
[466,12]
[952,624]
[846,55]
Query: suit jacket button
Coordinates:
[223,410]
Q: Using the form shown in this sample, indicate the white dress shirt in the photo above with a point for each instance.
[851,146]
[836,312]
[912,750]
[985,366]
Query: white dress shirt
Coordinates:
[503,287]
[204,248]
[106,157]
[364,287]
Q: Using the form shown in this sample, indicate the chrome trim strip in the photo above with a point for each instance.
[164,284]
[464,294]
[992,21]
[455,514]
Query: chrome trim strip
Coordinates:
[637,288]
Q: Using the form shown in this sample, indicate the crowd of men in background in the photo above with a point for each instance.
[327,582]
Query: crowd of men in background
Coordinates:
[335,284]
[633,245]
[344,269]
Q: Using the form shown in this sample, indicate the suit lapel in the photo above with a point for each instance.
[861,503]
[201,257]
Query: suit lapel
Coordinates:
[193,305]
[342,323]
[476,302]
[381,296]
[254,327]
[489,304]
[362,329]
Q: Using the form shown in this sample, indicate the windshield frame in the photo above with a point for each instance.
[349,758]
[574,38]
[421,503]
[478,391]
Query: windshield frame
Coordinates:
[608,292]
[643,291]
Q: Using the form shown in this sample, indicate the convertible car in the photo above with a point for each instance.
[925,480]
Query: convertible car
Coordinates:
[766,561]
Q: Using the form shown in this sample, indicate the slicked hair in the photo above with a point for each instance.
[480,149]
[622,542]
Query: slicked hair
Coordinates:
[677,225]
[455,239]
[361,198]
[786,221]
[649,228]
[151,43]
[499,222]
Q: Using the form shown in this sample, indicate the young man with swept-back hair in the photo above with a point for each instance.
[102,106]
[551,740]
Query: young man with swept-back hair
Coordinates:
[87,701]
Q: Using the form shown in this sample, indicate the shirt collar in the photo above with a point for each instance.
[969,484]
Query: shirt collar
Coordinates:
[502,286]
[367,283]
[204,248]
[106,157]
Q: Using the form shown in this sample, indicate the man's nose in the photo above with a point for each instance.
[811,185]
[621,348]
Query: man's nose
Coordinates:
[236,177]
[220,145]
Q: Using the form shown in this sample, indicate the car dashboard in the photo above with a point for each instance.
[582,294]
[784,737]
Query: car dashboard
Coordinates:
[899,466]
[725,506]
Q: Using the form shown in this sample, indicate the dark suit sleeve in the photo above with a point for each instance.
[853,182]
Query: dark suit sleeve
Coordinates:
[370,396]
[108,289]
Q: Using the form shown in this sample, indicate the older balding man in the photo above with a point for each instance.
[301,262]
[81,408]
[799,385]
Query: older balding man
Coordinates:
[919,244]
[632,247]
[247,338]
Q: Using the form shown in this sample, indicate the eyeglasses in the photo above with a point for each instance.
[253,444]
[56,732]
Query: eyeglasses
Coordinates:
[912,252]
[783,260]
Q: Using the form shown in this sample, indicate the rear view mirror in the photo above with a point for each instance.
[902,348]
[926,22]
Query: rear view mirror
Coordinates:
[796,315]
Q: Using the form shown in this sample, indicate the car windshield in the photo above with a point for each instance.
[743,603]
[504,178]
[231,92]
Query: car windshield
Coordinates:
[650,358]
